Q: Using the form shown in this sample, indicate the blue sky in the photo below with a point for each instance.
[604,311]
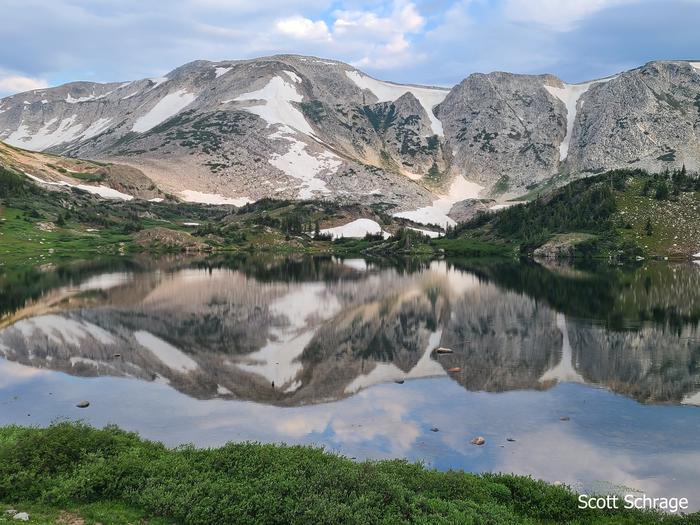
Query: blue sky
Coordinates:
[49,42]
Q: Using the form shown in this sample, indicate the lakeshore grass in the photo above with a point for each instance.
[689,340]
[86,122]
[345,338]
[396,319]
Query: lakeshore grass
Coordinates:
[112,476]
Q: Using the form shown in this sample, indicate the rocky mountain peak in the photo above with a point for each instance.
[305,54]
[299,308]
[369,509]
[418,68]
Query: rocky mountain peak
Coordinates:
[291,126]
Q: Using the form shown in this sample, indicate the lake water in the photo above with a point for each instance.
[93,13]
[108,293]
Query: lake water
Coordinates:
[588,376]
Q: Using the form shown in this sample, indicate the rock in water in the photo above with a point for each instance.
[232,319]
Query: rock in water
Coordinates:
[435,429]
[478,441]
[83,404]
[564,418]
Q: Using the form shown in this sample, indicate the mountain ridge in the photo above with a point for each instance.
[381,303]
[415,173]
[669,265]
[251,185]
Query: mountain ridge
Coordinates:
[292,126]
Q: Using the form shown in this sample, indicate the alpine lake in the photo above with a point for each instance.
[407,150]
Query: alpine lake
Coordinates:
[585,375]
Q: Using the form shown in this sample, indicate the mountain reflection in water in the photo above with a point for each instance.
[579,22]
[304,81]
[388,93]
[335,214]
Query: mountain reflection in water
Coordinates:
[329,352]
[308,331]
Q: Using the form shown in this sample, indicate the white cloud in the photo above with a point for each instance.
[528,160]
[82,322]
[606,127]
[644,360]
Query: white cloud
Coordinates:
[560,15]
[384,40]
[303,28]
[421,41]
[377,39]
[404,18]
[18,84]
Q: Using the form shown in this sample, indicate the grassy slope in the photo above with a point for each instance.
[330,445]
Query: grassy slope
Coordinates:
[675,222]
[604,215]
[73,467]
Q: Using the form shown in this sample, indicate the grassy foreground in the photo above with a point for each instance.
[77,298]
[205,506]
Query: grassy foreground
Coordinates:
[73,472]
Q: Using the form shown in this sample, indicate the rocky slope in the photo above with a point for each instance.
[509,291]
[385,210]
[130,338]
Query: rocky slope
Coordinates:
[108,180]
[302,127]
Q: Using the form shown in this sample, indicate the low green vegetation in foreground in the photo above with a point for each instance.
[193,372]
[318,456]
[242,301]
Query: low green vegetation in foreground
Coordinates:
[115,477]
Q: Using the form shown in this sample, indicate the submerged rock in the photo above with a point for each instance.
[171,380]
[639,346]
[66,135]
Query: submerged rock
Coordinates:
[83,404]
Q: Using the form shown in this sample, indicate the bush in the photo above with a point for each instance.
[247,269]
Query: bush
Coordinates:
[70,463]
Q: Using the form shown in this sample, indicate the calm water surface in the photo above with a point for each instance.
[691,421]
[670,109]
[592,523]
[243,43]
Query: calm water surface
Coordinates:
[342,354]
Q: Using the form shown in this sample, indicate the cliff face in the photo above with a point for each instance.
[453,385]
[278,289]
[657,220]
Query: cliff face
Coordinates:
[648,117]
[504,130]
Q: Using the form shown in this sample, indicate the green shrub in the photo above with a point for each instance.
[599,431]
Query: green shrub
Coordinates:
[70,463]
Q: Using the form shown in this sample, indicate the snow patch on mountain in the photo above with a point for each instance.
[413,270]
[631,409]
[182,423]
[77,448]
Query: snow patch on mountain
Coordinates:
[298,163]
[219,71]
[157,82]
[212,198]
[388,92]
[70,100]
[97,127]
[169,106]
[275,103]
[52,133]
[569,95]
[356,229]
[430,233]
[131,95]
[691,399]
[436,213]
[103,191]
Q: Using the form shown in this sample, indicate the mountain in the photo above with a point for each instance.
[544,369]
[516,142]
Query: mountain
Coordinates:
[301,127]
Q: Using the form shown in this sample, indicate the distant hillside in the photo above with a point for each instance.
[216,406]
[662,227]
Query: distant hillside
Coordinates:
[108,180]
[619,214]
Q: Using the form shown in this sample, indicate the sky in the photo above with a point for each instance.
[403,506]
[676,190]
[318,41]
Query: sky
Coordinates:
[436,42]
